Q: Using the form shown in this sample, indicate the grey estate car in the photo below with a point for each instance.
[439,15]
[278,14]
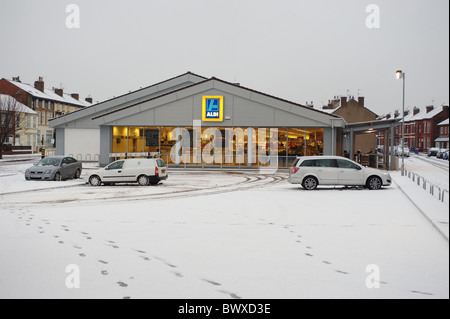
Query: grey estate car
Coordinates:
[54,168]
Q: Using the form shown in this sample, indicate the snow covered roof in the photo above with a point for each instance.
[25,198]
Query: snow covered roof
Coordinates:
[421,115]
[49,94]
[20,107]
[445,122]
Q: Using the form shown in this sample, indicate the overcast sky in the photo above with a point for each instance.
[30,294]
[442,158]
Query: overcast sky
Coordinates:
[294,49]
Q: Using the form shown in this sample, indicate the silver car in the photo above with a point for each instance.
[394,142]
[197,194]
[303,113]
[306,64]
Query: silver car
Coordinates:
[311,171]
[54,168]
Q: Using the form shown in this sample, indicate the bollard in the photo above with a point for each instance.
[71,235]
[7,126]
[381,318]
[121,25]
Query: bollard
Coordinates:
[42,152]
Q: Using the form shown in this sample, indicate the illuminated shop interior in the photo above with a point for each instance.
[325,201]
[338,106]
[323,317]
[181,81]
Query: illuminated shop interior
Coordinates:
[291,142]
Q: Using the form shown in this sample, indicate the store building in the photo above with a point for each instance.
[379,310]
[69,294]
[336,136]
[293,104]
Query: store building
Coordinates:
[191,120]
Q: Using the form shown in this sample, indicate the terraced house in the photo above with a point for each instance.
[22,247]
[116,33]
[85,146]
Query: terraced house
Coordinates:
[48,103]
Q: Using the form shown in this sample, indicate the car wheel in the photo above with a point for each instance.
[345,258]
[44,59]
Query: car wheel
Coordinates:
[57,176]
[374,183]
[77,174]
[95,180]
[310,183]
[143,180]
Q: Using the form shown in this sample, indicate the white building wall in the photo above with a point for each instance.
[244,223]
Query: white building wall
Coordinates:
[82,144]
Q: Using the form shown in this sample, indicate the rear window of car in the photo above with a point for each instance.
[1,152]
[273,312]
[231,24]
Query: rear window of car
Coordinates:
[160,162]
[295,162]
[309,163]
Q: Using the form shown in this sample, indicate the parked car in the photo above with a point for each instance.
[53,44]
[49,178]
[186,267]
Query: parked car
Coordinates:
[398,151]
[143,171]
[433,151]
[445,155]
[312,171]
[441,153]
[55,168]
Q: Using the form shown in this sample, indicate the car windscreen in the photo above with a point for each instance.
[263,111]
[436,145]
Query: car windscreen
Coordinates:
[49,162]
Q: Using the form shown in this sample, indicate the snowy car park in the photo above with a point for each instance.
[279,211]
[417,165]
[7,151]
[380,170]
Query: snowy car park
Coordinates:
[218,234]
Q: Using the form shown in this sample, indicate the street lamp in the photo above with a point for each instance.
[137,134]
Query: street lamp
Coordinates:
[399,74]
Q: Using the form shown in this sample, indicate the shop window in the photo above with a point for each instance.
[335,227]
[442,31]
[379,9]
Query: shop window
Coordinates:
[120,139]
[135,140]
[151,139]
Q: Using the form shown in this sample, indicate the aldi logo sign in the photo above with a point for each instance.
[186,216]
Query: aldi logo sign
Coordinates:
[212,109]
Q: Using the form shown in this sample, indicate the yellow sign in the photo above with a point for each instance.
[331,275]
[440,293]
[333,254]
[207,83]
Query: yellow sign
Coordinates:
[212,108]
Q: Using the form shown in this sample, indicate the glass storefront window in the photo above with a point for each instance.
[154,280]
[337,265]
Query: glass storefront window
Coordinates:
[135,140]
[151,139]
[120,139]
[222,146]
[296,142]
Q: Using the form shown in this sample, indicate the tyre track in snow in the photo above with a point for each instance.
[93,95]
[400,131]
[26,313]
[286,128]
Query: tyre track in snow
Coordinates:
[250,181]
[431,162]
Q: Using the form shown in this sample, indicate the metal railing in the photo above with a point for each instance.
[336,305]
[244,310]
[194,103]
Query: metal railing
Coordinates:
[434,190]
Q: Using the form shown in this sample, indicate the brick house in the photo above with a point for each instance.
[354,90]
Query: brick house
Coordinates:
[442,140]
[48,103]
[354,111]
[421,127]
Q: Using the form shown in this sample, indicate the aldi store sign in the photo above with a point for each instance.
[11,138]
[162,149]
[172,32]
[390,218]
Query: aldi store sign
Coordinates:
[212,109]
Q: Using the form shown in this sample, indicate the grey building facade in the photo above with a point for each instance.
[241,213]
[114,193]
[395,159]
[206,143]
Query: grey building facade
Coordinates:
[193,120]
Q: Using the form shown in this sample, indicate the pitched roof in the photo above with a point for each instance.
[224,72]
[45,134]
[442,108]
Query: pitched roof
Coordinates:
[19,107]
[165,86]
[222,81]
[49,94]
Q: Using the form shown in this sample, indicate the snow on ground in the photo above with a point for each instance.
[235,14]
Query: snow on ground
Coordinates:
[219,235]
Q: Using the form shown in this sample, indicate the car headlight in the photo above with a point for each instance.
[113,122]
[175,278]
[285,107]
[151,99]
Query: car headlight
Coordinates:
[48,171]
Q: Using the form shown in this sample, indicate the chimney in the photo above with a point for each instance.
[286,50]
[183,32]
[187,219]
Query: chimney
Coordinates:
[430,108]
[343,101]
[39,85]
[361,101]
[388,116]
[415,110]
[396,114]
[16,79]
[89,100]
[76,96]
[60,92]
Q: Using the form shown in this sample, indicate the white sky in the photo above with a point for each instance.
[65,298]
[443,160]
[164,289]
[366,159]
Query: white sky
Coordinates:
[297,50]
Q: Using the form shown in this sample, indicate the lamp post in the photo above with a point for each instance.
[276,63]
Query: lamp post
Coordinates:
[399,74]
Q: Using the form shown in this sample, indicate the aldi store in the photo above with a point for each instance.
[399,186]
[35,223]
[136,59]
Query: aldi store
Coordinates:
[190,120]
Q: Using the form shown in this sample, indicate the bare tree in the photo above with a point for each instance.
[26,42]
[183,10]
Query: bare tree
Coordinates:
[12,119]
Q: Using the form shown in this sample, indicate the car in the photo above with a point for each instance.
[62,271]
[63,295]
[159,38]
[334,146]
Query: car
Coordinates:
[398,151]
[441,153]
[433,151]
[55,168]
[312,171]
[445,155]
[143,171]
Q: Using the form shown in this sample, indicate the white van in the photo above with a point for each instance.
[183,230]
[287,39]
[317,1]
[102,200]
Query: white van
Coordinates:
[143,171]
